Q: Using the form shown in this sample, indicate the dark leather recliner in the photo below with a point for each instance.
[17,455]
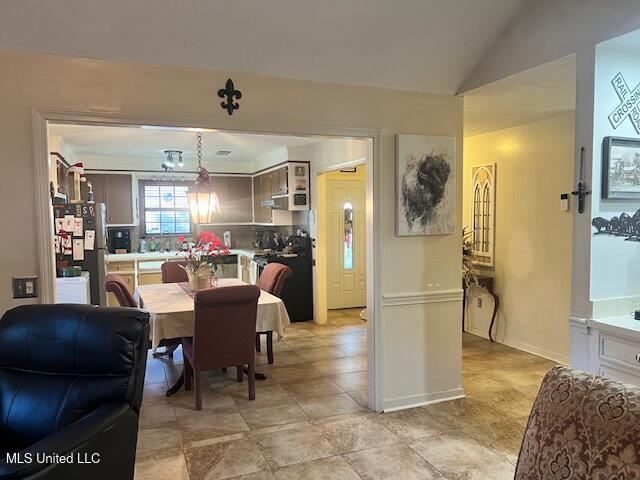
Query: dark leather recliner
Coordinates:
[71,383]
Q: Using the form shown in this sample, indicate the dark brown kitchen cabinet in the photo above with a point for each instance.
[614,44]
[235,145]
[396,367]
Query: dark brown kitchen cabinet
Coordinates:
[119,199]
[234,194]
[97,184]
[115,192]
[262,191]
[257,198]
[279,181]
[239,199]
[221,187]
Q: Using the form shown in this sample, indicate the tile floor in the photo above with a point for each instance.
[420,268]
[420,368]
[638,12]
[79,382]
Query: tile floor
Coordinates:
[309,419]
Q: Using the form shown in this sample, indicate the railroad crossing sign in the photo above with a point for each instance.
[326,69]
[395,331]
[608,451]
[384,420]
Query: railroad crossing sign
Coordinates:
[629,106]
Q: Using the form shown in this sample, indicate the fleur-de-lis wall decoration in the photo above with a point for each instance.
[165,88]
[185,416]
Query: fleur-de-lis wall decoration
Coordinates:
[230,92]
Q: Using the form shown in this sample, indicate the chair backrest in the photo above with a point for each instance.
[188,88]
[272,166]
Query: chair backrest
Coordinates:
[273,278]
[115,284]
[225,325]
[581,427]
[60,362]
[172,272]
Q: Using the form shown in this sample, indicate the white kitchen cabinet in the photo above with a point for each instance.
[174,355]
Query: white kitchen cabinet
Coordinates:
[609,347]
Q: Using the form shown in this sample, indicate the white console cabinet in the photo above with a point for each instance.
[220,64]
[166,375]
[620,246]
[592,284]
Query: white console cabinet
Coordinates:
[609,347]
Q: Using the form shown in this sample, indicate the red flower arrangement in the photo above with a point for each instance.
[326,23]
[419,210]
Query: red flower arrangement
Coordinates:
[204,253]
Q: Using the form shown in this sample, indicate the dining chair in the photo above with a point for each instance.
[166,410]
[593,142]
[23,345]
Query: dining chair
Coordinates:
[223,334]
[172,272]
[115,284]
[272,280]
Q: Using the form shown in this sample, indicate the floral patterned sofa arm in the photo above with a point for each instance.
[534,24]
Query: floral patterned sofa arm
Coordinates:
[581,427]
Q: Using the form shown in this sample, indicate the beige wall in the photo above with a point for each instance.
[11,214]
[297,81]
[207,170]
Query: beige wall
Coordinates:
[533,237]
[412,371]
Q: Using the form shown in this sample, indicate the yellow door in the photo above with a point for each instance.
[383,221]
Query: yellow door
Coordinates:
[346,216]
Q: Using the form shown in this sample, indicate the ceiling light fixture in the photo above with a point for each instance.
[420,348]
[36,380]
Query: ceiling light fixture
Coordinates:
[203,200]
[173,157]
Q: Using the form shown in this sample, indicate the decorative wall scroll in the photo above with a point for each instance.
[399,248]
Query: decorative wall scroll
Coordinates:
[483,214]
[425,185]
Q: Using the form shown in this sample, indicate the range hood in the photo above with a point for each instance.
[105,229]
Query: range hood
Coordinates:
[277,203]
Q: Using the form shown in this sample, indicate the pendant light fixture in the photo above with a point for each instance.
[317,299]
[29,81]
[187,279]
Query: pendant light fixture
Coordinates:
[203,201]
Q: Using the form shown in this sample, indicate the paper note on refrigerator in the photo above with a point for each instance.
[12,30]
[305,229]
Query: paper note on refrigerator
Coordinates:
[89,239]
[78,226]
[67,224]
[59,222]
[78,249]
[56,244]
[66,246]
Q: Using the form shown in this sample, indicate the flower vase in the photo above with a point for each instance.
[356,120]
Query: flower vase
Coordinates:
[199,280]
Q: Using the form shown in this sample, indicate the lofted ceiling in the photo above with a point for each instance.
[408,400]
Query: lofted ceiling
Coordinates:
[142,148]
[542,92]
[415,45]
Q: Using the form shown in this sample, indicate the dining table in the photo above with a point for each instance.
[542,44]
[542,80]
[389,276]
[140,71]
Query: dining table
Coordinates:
[172,314]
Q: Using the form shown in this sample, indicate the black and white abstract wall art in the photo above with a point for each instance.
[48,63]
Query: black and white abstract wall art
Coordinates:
[425,185]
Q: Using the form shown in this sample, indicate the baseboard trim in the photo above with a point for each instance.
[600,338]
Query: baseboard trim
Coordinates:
[416,298]
[413,401]
[553,356]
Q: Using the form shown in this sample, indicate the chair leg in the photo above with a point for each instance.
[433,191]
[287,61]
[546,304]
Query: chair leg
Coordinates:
[188,374]
[198,389]
[258,342]
[239,373]
[270,346]
[252,379]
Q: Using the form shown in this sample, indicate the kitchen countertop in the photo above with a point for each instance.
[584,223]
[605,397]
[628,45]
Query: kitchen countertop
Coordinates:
[133,257]
[624,325]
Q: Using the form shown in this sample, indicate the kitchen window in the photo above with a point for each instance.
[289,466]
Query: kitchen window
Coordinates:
[165,208]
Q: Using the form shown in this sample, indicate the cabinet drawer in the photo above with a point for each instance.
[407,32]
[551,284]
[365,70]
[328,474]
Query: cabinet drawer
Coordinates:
[121,266]
[618,349]
[149,278]
[619,375]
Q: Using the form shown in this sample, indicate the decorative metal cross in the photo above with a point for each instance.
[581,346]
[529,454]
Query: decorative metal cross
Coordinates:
[629,103]
[229,92]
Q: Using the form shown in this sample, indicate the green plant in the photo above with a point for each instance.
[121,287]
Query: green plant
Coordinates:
[469,276]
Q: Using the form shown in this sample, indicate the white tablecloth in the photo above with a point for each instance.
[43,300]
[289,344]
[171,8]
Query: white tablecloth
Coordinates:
[172,312]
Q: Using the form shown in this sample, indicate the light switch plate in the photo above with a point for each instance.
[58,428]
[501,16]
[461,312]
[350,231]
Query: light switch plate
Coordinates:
[25,287]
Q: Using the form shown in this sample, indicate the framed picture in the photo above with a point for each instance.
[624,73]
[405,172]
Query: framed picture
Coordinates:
[483,214]
[300,171]
[425,185]
[620,168]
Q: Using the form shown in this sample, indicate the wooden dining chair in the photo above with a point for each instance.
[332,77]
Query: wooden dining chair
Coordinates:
[223,335]
[272,280]
[115,284]
[172,272]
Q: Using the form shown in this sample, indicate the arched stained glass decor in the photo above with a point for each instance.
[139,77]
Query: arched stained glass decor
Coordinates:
[483,214]
[347,250]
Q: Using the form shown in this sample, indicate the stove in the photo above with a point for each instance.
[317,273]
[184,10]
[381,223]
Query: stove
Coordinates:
[297,294]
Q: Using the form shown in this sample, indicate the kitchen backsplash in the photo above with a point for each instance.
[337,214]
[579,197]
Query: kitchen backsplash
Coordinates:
[242,236]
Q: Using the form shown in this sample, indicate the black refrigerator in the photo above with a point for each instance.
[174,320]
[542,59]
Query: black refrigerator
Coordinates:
[86,225]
